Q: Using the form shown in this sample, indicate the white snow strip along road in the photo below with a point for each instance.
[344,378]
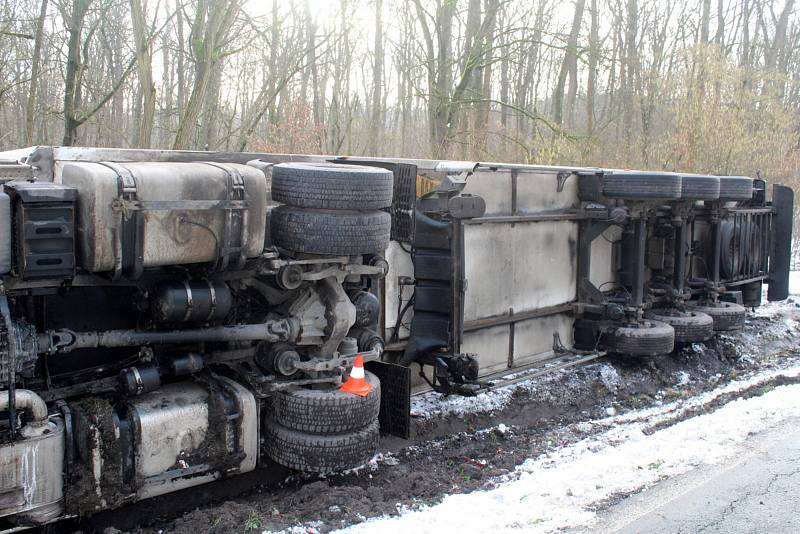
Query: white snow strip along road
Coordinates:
[558,490]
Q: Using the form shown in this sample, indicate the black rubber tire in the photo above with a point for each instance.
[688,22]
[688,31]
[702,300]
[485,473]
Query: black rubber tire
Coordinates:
[690,326]
[727,316]
[648,338]
[699,187]
[642,185]
[312,453]
[735,188]
[326,411]
[332,186]
[751,294]
[340,233]
[735,251]
[755,260]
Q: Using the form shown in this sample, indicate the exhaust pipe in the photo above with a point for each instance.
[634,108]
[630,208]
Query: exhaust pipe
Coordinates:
[25,399]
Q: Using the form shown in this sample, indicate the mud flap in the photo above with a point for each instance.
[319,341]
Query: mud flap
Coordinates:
[395,414]
[432,327]
[781,250]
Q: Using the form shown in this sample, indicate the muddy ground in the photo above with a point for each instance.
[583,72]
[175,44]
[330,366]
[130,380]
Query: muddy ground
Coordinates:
[460,446]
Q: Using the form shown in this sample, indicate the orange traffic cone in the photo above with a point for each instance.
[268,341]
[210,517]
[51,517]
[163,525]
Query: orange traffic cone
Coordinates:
[357,384]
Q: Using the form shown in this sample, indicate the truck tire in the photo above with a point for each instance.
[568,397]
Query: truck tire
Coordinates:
[735,250]
[751,294]
[727,316]
[699,187]
[332,186]
[338,233]
[313,453]
[690,326]
[648,338]
[326,411]
[735,188]
[642,186]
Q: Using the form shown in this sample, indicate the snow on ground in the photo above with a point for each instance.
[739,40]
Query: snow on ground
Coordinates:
[748,344]
[559,489]
[794,282]
[432,404]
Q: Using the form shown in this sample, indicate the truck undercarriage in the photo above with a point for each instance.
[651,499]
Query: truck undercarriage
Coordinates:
[174,318]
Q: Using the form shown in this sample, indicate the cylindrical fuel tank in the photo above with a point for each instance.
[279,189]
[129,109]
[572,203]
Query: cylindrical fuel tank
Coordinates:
[31,475]
[191,301]
[170,213]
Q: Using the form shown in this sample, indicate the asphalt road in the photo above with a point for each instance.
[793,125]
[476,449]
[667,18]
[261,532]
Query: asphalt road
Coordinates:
[759,492]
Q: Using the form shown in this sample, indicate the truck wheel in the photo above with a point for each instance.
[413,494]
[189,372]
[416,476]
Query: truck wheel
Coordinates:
[319,411]
[751,294]
[642,186]
[726,315]
[699,187]
[735,251]
[313,453]
[690,327]
[332,186]
[735,188]
[339,233]
[648,338]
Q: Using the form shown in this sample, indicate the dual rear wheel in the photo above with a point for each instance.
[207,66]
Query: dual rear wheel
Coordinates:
[327,209]
[331,209]
[323,430]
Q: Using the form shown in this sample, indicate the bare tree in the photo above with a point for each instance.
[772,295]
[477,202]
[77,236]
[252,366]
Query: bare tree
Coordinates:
[377,82]
[143,37]
[569,67]
[30,110]
[211,30]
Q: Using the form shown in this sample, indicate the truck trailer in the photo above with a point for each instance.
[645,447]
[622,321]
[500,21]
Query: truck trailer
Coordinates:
[173,318]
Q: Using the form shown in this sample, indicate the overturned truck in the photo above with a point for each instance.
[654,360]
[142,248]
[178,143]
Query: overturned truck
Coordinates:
[172,318]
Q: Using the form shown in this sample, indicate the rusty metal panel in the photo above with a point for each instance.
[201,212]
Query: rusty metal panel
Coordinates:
[495,188]
[523,266]
[490,345]
[533,339]
[603,271]
[400,265]
[538,191]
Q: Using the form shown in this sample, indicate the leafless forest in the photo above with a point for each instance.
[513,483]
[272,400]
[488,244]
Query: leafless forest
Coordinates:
[701,85]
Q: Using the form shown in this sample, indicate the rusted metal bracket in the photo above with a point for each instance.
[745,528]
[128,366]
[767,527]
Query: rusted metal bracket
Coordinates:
[562,178]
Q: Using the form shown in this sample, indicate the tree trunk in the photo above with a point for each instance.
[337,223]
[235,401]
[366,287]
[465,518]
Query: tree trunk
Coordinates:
[74,24]
[631,68]
[490,13]
[594,52]
[142,35]
[376,120]
[705,21]
[569,66]
[30,110]
[744,55]
[441,98]
[211,26]
[181,63]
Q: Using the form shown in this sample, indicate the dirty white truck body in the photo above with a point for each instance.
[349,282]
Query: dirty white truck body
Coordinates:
[160,332]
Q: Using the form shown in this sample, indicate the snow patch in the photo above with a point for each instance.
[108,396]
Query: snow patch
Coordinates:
[610,377]
[682,378]
[432,404]
[794,283]
[557,490]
